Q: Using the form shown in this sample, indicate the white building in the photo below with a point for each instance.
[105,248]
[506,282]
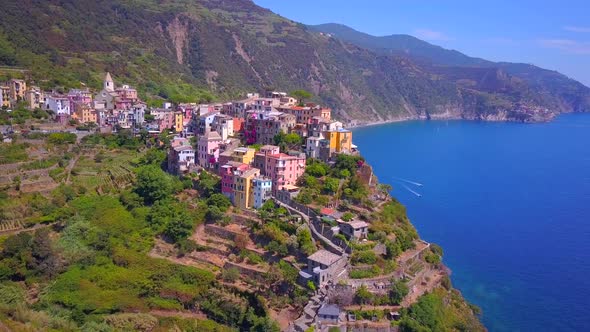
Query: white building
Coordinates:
[60,105]
[312,147]
[262,190]
[223,125]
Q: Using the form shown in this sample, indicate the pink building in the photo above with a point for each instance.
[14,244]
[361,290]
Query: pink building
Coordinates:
[79,98]
[126,97]
[164,117]
[284,169]
[260,156]
[208,150]
[227,173]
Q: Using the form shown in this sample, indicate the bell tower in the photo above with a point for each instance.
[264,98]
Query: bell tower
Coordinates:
[108,84]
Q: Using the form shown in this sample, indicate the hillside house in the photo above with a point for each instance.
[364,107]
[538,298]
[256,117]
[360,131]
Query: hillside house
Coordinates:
[323,266]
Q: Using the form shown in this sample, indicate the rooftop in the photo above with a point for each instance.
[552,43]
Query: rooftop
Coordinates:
[327,211]
[329,310]
[324,257]
[356,224]
[212,135]
[250,172]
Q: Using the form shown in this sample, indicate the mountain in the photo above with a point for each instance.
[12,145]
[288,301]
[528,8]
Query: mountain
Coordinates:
[401,45]
[194,50]
[551,89]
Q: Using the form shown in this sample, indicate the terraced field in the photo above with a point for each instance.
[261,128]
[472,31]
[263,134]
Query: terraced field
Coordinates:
[106,175]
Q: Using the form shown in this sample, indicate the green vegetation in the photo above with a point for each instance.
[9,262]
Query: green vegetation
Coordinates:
[287,142]
[440,311]
[91,267]
[301,96]
[13,152]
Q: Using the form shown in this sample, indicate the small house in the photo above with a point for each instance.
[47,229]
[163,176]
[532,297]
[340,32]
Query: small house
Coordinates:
[329,313]
[355,229]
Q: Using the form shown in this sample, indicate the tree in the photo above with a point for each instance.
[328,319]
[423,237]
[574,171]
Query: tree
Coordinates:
[214,214]
[153,157]
[305,241]
[291,141]
[362,295]
[45,259]
[153,184]
[317,169]
[347,216]
[208,185]
[220,201]
[301,95]
[179,228]
[331,186]
[398,291]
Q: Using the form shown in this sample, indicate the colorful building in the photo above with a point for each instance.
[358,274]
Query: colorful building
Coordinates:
[243,155]
[4,96]
[181,156]
[85,114]
[208,150]
[35,98]
[227,172]
[178,121]
[340,140]
[284,169]
[243,190]
[17,90]
[260,156]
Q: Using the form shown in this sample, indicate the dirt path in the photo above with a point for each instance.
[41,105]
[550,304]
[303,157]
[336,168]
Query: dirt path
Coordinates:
[70,167]
[30,229]
[174,313]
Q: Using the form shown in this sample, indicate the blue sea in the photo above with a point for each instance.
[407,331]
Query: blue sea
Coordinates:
[510,205]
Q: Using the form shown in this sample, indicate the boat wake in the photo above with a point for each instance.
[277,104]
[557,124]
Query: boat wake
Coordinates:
[411,182]
[412,191]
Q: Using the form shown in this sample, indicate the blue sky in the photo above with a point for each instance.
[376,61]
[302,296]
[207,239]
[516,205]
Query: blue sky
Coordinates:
[551,34]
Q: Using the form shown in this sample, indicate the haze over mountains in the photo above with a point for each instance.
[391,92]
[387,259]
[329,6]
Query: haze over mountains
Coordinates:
[234,46]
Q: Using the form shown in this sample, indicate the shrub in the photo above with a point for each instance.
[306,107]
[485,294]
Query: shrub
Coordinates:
[230,274]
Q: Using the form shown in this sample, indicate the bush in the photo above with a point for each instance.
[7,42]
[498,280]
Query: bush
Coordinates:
[61,138]
[230,274]
[153,184]
[364,257]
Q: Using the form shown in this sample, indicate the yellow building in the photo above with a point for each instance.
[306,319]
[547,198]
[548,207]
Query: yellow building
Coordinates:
[17,90]
[243,191]
[340,140]
[244,155]
[85,114]
[178,122]
[4,96]
[34,98]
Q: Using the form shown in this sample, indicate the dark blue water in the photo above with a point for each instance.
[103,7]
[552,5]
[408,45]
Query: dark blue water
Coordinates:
[510,205]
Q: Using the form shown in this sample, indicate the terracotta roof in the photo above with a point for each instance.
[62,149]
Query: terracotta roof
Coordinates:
[327,211]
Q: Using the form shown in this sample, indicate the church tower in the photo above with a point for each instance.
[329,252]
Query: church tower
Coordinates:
[108,85]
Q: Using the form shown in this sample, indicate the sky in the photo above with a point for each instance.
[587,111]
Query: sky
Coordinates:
[550,34]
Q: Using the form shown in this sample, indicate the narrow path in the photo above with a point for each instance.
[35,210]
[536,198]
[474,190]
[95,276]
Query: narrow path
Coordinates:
[314,231]
[70,167]
[30,229]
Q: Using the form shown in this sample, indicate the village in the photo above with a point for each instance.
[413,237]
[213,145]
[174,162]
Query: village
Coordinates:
[278,155]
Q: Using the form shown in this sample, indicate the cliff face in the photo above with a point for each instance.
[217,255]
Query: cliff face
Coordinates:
[233,46]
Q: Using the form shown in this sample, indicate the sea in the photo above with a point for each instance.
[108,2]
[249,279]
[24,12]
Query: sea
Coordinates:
[510,205]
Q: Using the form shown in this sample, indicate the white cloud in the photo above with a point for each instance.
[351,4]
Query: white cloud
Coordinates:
[432,35]
[567,45]
[577,29]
